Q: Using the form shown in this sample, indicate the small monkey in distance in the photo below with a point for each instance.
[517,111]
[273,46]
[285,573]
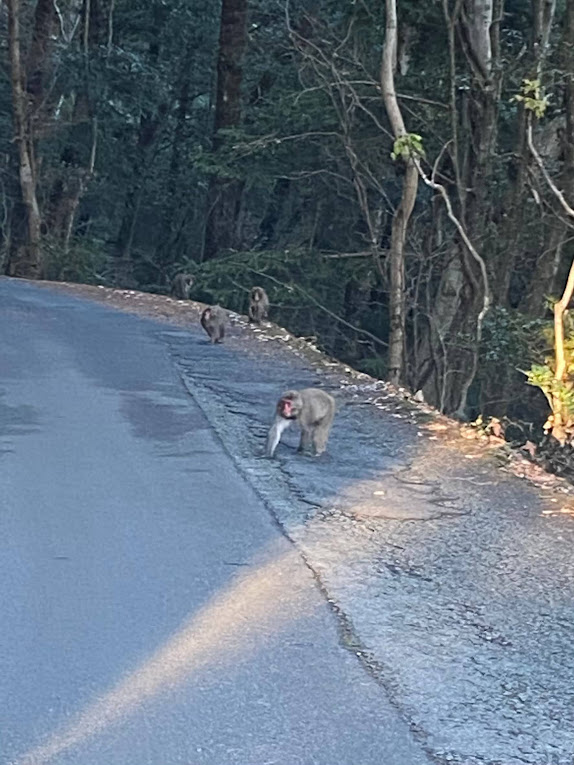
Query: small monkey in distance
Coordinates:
[312,409]
[258,305]
[213,320]
[181,286]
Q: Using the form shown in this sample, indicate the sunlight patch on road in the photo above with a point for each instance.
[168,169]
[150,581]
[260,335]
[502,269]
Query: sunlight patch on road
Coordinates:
[234,623]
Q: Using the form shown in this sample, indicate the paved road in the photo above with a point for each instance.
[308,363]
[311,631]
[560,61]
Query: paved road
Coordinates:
[151,613]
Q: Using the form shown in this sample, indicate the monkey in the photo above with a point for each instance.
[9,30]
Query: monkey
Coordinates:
[181,286]
[213,320]
[313,409]
[258,305]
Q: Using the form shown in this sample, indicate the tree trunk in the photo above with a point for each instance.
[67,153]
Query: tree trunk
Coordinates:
[224,197]
[79,154]
[405,208]
[397,274]
[515,204]
[560,414]
[149,129]
[75,171]
[150,126]
[38,63]
[477,31]
[457,305]
[167,251]
[24,253]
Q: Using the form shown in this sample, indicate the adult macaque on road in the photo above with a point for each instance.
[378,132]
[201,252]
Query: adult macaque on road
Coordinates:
[213,321]
[181,286]
[312,409]
[258,305]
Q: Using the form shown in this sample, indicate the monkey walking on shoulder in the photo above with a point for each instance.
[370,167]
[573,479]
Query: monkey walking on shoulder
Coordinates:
[312,409]
[213,321]
[181,286]
[258,305]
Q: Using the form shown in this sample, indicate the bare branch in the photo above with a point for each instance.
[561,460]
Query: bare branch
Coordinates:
[110,28]
[341,255]
[87,12]
[469,245]
[58,13]
[421,100]
[538,159]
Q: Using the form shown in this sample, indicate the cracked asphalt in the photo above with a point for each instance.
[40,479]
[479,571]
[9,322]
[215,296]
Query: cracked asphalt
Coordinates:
[450,586]
[458,590]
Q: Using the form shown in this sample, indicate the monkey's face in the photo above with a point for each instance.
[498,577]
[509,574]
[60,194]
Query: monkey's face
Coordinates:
[289,406]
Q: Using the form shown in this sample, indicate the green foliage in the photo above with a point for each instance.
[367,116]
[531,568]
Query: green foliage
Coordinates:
[513,338]
[375,366]
[229,279]
[407,147]
[84,262]
[560,395]
[532,98]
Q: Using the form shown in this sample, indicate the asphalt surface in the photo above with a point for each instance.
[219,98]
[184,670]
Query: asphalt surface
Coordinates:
[151,610]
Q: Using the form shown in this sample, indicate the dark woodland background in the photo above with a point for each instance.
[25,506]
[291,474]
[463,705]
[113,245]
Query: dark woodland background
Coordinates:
[248,142]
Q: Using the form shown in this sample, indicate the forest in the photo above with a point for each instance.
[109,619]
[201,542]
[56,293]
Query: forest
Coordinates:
[398,175]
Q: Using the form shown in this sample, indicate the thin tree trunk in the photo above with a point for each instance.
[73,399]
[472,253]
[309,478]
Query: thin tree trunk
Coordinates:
[82,180]
[39,63]
[560,417]
[397,274]
[224,197]
[405,208]
[515,205]
[24,256]
[75,170]
[167,251]
[78,157]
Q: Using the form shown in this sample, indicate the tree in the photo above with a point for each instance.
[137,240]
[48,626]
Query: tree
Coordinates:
[24,255]
[222,230]
[404,210]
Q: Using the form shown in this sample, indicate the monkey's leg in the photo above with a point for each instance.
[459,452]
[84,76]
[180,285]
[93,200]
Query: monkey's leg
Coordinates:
[306,440]
[321,436]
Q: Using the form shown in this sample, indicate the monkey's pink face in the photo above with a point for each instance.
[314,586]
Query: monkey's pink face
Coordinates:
[286,408]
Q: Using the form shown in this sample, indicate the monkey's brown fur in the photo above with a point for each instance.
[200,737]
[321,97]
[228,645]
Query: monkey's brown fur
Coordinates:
[258,305]
[181,286]
[213,320]
[313,410]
